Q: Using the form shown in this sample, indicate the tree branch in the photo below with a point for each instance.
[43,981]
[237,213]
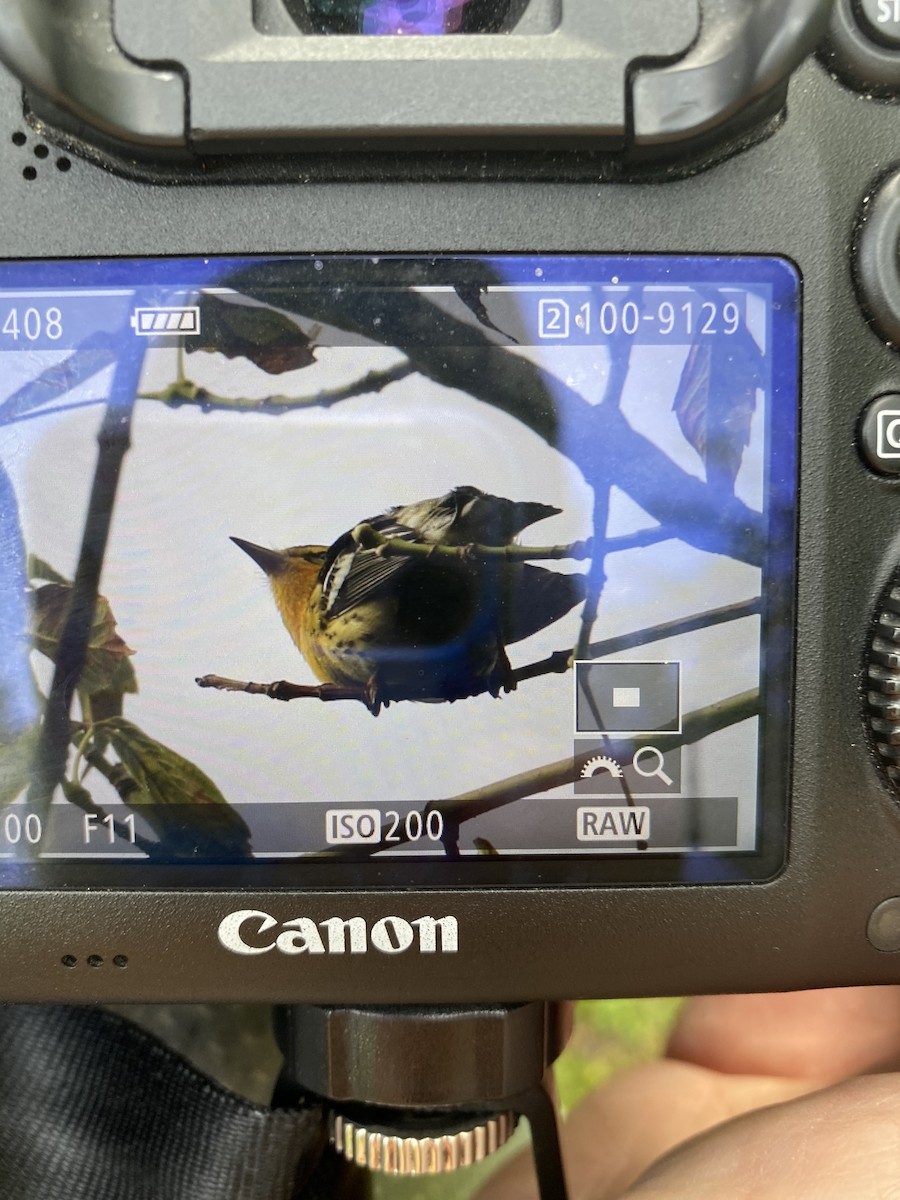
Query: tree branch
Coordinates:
[184,392]
[468,805]
[369,538]
[284,690]
[560,661]
[599,472]
[114,440]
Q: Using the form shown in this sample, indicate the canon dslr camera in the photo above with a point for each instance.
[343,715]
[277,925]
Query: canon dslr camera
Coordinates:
[450,454]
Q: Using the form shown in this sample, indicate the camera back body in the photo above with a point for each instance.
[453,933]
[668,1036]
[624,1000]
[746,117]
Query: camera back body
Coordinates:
[636,269]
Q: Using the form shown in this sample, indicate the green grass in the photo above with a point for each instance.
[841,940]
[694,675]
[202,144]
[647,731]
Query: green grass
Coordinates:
[609,1036]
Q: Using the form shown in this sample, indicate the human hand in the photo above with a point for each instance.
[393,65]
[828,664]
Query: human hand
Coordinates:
[792,1096]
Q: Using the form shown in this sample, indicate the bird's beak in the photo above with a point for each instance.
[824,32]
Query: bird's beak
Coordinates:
[271,561]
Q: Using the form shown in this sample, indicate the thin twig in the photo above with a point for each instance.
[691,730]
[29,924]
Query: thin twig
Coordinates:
[369,538]
[560,661]
[184,392]
[284,690]
[600,477]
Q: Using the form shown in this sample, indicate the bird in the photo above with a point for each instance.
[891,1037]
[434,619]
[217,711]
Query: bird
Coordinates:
[428,628]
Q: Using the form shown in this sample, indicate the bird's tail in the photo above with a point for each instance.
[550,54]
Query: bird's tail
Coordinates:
[535,597]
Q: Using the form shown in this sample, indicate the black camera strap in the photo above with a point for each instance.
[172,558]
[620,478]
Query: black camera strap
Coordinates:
[94,1108]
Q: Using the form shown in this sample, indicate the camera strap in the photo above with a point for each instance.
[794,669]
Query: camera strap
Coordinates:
[94,1108]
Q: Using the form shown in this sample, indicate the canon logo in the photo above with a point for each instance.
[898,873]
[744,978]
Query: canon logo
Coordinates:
[250,931]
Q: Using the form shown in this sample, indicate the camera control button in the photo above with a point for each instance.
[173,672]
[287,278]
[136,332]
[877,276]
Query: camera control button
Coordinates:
[880,19]
[877,264]
[879,434]
[883,929]
[863,46]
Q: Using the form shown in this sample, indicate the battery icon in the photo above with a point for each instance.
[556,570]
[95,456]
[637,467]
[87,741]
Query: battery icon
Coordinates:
[147,322]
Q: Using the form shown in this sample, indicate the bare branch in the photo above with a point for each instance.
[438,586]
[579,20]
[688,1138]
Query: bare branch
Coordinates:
[598,470]
[561,660]
[369,538]
[114,440]
[283,690]
[468,805]
[596,576]
[696,726]
[184,392]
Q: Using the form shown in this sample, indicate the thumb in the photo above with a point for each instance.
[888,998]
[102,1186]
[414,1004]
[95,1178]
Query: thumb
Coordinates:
[828,1145]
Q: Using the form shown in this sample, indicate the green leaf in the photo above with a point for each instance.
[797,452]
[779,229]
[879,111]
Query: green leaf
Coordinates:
[106,667]
[16,758]
[268,338]
[39,568]
[715,404]
[483,846]
[183,806]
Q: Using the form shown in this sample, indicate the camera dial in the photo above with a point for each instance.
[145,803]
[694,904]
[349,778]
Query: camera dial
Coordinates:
[883,678]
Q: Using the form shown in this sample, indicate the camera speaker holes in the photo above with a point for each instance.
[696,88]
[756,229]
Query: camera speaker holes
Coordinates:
[41,151]
[95,960]
[29,173]
[63,163]
[19,138]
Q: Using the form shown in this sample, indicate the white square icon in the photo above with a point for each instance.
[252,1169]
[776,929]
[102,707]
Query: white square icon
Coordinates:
[626,697]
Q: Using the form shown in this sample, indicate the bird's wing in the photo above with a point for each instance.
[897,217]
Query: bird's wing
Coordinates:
[466,514]
[435,517]
[352,575]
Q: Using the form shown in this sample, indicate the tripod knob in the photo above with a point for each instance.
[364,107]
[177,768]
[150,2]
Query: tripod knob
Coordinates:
[419,1145]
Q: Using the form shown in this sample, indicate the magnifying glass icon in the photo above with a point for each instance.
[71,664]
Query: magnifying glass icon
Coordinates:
[640,764]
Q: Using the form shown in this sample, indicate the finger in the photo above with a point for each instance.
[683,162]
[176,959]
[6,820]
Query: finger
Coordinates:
[618,1131]
[830,1145]
[823,1035]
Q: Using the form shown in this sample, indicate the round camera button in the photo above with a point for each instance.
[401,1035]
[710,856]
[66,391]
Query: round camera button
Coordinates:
[876,259]
[879,434]
[863,46]
[883,929]
[880,19]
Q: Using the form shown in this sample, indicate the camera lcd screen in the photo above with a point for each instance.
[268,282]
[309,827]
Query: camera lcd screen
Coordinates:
[380,570]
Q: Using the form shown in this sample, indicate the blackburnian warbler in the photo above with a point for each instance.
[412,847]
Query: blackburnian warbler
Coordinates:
[431,628]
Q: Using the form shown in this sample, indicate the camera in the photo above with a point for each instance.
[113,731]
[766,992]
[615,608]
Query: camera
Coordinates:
[449,506]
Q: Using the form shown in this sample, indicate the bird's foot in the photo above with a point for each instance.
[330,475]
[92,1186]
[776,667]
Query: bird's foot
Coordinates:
[375,701]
